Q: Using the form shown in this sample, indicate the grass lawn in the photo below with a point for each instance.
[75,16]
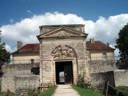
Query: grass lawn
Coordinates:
[48,92]
[87,92]
[6,94]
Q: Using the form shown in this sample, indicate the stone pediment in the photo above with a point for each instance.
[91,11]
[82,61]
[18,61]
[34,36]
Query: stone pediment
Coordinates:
[62,32]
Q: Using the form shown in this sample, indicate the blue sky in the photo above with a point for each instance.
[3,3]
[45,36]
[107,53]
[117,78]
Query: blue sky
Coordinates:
[20,19]
[16,10]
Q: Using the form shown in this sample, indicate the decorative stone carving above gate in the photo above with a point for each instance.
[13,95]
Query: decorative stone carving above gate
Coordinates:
[63,52]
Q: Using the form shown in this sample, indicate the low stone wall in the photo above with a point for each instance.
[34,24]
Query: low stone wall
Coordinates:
[8,83]
[18,69]
[98,80]
[13,83]
[27,82]
[19,76]
[121,77]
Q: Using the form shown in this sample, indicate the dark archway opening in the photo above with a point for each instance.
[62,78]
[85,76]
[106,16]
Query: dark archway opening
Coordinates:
[64,72]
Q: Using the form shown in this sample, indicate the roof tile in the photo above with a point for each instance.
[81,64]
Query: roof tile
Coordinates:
[98,46]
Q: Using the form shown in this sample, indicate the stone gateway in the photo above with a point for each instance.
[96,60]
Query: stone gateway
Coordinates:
[62,49]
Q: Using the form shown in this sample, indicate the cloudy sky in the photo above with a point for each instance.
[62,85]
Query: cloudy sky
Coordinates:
[20,19]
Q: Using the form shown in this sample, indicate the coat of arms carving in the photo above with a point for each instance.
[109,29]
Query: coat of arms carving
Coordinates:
[61,52]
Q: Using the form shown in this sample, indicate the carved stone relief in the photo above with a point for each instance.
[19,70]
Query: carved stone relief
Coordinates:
[61,52]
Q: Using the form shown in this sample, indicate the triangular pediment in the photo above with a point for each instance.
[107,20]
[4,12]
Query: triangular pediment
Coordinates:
[62,32]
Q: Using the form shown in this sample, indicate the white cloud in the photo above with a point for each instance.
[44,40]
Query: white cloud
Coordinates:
[104,29]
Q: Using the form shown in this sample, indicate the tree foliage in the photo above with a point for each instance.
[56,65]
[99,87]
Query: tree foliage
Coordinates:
[122,45]
[4,54]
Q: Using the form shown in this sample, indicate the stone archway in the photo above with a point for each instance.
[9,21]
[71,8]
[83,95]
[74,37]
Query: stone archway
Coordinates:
[65,59]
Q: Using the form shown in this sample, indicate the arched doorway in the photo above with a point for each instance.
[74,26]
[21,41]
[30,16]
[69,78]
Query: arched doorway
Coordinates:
[65,60]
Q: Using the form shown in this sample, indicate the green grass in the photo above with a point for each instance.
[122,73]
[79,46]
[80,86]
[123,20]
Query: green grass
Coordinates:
[123,89]
[87,91]
[48,92]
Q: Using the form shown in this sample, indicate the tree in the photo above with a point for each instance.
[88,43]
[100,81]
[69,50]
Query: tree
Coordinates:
[4,54]
[122,45]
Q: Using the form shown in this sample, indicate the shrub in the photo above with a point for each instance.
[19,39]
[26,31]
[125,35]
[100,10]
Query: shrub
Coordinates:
[33,92]
[81,83]
[48,92]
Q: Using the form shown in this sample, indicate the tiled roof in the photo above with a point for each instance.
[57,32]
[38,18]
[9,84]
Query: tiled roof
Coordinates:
[98,46]
[28,48]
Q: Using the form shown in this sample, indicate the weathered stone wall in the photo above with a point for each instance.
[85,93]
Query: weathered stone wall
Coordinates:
[21,59]
[121,77]
[100,62]
[8,83]
[18,69]
[97,66]
[101,56]
[19,76]
[27,82]
[13,83]
[101,68]
[98,80]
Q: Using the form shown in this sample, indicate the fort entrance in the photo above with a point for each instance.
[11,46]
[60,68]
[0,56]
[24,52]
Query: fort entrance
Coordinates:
[62,54]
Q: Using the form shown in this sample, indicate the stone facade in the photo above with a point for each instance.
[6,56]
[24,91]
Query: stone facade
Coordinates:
[68,39]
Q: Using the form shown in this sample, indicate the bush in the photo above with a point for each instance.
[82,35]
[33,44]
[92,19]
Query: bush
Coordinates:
[48,92]
[33,92]
[81,83]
